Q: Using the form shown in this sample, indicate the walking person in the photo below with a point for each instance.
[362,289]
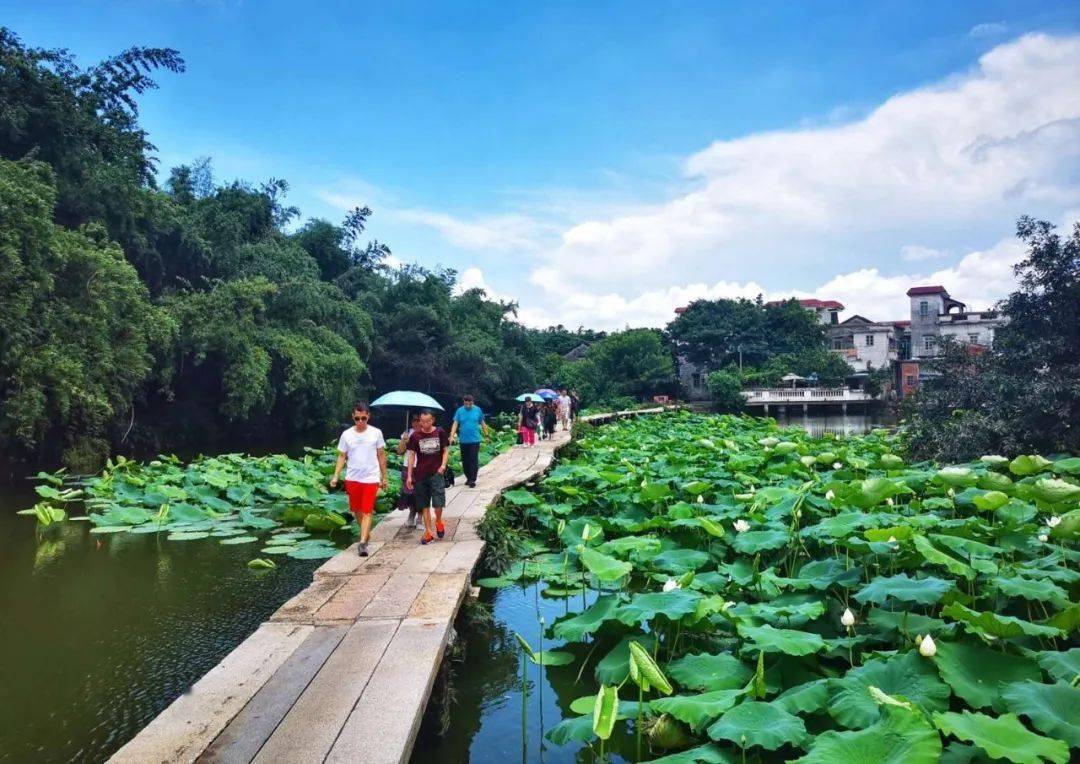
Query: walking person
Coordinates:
[528,421]
[575,404]
[548,419]
[563,403]
[469,426]
[363,448]
[427,453]
[407,497]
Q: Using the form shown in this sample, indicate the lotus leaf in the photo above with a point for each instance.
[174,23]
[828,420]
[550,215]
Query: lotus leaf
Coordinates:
[908,675]
[750,542]
[1052,708]
[587,621]
[697,710]
[761,724]
[935,556]
[604,567]
[991,500]
[187,535]
[1063,666]
[614,668]
[1055,491]
[925,591]
[806,698]
[957,477]
[238,540]
[976,673]
[902,737]
[577,729]
[111,528]
[672,605]
[709,672]
[605,711]
[679,561]
[313,552]
[1028,465]
[789,641]
[997,626]
[1002,737]
[703,754]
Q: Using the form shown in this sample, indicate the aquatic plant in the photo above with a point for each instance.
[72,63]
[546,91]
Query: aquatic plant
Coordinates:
[862,607]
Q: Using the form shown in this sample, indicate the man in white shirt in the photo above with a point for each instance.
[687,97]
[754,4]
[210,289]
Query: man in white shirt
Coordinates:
[363,447]
[562,405]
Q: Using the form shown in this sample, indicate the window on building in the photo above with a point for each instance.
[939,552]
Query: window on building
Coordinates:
[869,340]
[924,308]
[911,380]
[695,380]
[834,317]
[928,342]
[973,338]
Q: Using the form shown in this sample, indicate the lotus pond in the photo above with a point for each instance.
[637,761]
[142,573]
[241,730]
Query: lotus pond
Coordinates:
[720,589]
[119,590]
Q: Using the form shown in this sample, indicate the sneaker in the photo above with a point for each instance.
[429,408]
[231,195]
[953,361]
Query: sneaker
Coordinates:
[427,538]
[470,485]
[440,529]
[362,550]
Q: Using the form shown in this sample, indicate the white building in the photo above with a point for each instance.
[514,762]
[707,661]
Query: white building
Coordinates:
[865,344]
[934,315]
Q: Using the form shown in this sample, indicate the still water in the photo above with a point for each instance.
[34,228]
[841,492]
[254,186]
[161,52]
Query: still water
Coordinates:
[836,424]
[98,633]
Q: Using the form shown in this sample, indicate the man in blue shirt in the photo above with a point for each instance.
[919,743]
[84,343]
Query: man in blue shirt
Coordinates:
[469,422]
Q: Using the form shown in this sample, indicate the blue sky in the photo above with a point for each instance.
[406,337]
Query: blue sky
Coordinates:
[601,162]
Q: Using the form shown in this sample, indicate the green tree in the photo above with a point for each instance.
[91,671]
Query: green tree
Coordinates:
[715,332]
[77,327]
[725,387]
[1022,396]
[633,363]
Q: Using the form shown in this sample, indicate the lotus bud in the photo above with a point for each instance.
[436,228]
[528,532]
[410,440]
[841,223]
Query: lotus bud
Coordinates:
[798,513]
[830,495]
[918,639]
[837,465]
[1053,521]
[671,585]
[701,498]
[892,540]
[952,492]
[643,483]
[848,618]
[741,526]
[927,648]
[1043,537]
[889,502]
[586,532]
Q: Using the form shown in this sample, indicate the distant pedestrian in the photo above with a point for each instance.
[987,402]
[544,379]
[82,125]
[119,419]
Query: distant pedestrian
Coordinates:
[363,448]
[575,404]
[428,451]
[407,497]
[548,418]
[563,404]
[469,422]
[528,421]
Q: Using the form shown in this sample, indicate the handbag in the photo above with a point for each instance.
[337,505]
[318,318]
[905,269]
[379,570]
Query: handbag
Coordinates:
[448,476]
[520,437]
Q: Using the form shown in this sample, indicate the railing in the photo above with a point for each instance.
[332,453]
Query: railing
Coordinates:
[806,395]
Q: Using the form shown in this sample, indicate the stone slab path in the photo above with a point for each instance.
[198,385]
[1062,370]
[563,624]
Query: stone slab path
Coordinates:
[342,671]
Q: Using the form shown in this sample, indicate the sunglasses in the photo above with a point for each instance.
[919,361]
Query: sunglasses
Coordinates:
[360,417]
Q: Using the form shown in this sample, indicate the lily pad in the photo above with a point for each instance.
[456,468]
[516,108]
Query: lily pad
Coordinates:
[759,724]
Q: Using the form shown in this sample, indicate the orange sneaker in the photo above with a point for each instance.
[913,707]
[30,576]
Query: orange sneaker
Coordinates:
[440,529]
[427,538]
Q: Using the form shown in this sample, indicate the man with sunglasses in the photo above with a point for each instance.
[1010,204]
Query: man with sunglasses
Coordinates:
[364,448]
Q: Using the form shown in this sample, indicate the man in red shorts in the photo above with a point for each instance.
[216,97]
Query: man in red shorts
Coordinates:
[364,449]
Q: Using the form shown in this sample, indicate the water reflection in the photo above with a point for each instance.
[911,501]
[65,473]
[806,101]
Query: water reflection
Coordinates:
[835,424]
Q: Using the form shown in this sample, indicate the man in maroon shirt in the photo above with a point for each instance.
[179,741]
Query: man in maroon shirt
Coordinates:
[427,452]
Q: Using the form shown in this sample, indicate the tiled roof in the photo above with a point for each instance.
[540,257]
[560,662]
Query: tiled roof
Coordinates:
[811,302]
[915,291]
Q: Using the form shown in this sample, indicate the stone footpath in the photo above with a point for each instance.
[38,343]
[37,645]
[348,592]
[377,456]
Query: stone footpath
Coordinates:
[342,671]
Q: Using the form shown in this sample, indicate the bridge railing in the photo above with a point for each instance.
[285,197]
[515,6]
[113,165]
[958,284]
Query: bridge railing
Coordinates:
[805,394]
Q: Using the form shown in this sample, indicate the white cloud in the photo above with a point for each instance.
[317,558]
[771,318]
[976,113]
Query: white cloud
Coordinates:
[965,155]
[988,29]
[914,253]
[501,233]
[979,278]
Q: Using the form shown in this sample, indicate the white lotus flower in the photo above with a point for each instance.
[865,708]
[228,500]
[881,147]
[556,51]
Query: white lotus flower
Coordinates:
[952,492]
[1053,521]
[671,585]
[830,495]
[1043,537]
[643,483]
[741,525]
[889,502]
[848,618]
[927,648]
[837,465]
[892,540]
[701,498]
[728,605]
[798,513]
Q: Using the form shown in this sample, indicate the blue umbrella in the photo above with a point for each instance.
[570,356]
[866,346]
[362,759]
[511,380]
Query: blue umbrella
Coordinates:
[547,394]
[529,397]
[407,399]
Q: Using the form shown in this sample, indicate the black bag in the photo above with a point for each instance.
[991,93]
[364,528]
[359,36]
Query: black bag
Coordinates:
[448,476]
[520,437]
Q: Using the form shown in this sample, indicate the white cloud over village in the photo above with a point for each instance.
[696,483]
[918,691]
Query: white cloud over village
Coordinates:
[925,188]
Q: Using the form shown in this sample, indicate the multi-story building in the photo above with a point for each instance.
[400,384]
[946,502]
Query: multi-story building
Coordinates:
[934,315]
[827,311]
[865,344]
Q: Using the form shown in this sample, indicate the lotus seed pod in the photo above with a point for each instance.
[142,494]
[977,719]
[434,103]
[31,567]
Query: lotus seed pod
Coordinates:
[927,648]
[848,618]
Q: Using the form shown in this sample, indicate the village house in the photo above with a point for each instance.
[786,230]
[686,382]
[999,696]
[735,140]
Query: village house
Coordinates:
[899,345]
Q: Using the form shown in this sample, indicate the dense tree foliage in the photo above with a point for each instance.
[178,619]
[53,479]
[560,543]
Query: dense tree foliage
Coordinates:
[176,315]
[1024,395]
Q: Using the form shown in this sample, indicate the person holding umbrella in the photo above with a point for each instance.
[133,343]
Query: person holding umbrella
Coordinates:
[363,448]
[469,421]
